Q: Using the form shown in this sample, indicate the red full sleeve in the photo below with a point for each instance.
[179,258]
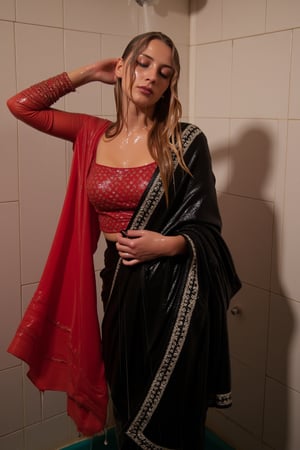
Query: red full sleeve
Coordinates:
[33,106]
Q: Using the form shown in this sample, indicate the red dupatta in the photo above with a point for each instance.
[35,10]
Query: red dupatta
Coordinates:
[59,335]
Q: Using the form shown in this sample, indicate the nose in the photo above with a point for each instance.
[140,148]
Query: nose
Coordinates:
[151,73]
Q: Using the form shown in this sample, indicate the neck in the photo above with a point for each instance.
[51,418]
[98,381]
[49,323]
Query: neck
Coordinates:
[136,119]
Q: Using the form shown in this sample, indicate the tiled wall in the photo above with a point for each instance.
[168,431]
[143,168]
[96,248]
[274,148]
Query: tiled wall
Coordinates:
[39,38]
[245,95]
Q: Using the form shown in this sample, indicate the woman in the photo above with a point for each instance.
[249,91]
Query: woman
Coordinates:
[144,181]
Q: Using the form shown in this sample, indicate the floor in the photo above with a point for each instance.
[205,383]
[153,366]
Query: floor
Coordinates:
[108,442]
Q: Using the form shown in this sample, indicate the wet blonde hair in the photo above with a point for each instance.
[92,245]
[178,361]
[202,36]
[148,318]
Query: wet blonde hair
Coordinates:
[164,138]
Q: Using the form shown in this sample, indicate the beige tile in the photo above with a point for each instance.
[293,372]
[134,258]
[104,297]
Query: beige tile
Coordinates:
[111,47]
[8,124]
[107,16]
[28,291]
[42,12]
[254,155]
[32,401]
[213,79]
[42,186]
[82,49]
[249,240]
[282,15]
[47,58]
[10,305]
[230,432]
[248,311]
[294,106]
[243,18]
[276,276]
[11,397]
[183,85]
[205,21]
[49,434]
[217,134]
[281,418]
[260,77]
[13,441]
[248,398]
[169,16]
[284,335]
[7,10]
[288,259]
[53,403]
[32,396]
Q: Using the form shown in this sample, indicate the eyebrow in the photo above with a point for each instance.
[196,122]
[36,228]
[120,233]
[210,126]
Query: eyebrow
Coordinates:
[152,59]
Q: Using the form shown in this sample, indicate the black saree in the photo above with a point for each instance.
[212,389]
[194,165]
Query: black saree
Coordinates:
[164,331]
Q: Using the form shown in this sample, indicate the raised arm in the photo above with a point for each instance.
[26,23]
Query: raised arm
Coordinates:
[33,105]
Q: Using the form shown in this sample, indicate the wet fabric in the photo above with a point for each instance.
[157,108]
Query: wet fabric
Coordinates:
[115,193]
[59,336]
[165,343]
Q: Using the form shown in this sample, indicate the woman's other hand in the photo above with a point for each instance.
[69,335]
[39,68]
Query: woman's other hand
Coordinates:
[145,245]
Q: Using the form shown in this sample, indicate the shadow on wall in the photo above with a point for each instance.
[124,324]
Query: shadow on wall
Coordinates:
[250,228]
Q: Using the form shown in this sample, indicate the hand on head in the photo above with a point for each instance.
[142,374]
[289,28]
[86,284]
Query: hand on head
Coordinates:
[105,71]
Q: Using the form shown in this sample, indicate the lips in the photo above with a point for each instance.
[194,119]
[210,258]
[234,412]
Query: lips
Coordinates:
[145,90]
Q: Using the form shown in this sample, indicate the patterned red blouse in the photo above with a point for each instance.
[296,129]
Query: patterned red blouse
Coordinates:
[115,193]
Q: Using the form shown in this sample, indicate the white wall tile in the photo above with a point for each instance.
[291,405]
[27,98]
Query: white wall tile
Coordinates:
[11,397]
[82,49]
[42,12]
[282,15]
[183,85]
[31,395]
[8,125]
[251,18]
[8,10]
[49,434]
[230,432]
[217,134]
[251,320]
[205,21]
[13,441]
[10,305]
[288,259]
[213,80]
[260,77]
[111,47]
[276,276]
[247,228]
[32,401]
[54,403]
[42,185]
[168,16]
[284,337]
[253,155]
[281,418]
[107,16]
[248,390]
[47,58]
[294,107]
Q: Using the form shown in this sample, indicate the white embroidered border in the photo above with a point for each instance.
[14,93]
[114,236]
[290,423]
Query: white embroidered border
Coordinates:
[169,361]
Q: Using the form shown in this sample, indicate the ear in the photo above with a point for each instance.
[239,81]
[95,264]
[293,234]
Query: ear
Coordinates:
[119,69]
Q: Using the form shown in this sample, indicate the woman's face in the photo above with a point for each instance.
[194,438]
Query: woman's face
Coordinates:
[153,73]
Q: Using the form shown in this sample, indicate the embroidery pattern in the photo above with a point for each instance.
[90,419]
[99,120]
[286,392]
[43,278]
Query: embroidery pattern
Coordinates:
[181,326]
[156,190]
[169,361]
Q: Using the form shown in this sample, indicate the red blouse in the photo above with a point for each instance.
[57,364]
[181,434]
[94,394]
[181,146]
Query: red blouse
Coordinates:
[115,193]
